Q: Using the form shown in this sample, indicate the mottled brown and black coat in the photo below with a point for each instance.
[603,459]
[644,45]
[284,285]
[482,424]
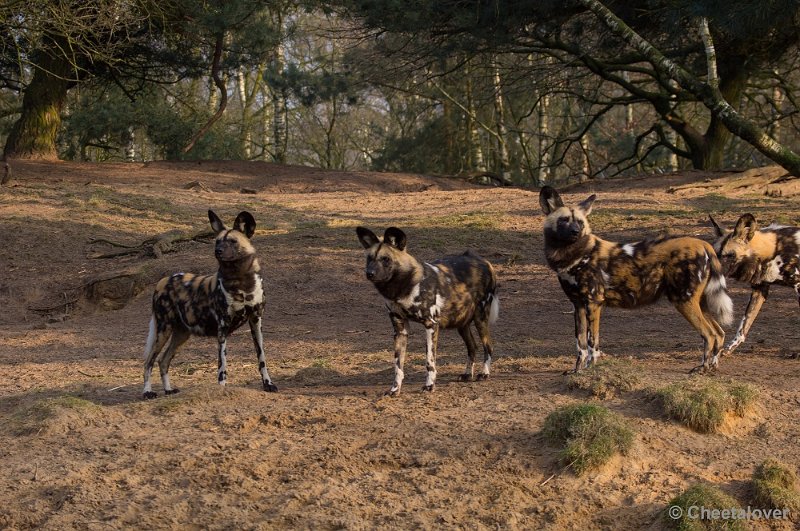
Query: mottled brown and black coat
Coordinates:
[594,272]
[453,292]
[760,257]
[186,304]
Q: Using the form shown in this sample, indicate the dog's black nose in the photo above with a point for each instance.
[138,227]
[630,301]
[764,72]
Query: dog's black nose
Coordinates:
[370,275]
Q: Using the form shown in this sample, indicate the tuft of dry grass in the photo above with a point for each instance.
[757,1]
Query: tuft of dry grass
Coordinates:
[605,379]
[678,515]
[703,404]
[591,435]
[41,414]
[775,487]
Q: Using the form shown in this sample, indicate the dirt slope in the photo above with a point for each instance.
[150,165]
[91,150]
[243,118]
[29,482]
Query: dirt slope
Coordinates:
[81,449]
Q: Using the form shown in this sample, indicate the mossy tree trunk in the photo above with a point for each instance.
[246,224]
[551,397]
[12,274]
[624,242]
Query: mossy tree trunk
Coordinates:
[34,134]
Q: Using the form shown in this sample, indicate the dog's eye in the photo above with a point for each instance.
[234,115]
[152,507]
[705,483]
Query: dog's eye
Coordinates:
[385,260]
[563,221]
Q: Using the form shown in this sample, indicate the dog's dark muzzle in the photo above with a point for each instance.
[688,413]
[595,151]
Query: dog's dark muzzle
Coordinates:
[569,234]
[225,253]
[370,274]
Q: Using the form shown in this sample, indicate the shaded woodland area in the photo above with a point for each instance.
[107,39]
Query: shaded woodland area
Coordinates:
[512,92]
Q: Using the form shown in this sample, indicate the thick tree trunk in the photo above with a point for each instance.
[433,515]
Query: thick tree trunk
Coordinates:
[710,97]
[711,154]
[34,134]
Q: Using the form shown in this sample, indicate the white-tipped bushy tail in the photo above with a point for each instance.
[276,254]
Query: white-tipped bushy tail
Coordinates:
[717,299]
[151,337]
[494,308]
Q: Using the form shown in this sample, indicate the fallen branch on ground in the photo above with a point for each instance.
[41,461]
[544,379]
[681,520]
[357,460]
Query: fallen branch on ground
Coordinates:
[153,247]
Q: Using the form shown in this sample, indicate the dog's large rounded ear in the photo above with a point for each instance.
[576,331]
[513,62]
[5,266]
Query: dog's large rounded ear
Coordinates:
[549,200]
[586,204]
[718,231]
[366,237]
[216,223]
[395,237]
[245,223]
[745,228]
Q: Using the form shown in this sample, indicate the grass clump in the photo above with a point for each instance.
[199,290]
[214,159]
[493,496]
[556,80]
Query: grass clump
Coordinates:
[775,487]
[591,435]
[41,414]
[703,404]
[683,512]
[606,379]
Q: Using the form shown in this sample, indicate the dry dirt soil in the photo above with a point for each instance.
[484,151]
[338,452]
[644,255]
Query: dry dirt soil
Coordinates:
[80,448]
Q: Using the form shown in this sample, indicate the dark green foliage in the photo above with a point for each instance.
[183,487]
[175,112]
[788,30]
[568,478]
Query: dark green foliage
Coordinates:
[312,86]
[103,117]
[425,151]
[591,435]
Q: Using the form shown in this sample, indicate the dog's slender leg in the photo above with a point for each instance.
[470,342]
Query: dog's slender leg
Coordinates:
[757,297]
[431,339]
[400,325]
[178,338]
[691,310]
[155,342]
[719,339]
[222,361]
[581,331]
[466,335]
[258,341]
[482,324]
[593,333]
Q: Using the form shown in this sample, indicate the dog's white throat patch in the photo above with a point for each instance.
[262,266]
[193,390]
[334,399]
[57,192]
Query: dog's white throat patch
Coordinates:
[409,300]
[255,297]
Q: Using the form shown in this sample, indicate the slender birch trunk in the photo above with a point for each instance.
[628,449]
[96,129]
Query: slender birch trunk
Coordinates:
[544,134]
[502,144]
[245,129]
[475,152]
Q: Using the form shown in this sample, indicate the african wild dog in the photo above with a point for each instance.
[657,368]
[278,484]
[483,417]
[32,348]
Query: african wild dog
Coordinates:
[185,304]
[594,272]
[761,257]
[449,293]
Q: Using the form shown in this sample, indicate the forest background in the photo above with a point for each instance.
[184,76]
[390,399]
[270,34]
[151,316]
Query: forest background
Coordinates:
[504,92]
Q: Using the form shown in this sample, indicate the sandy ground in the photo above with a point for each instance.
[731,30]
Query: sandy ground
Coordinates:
[80,449]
